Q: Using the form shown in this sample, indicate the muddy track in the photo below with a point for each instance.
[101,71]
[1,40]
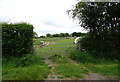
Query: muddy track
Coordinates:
[52,75]
[91,76]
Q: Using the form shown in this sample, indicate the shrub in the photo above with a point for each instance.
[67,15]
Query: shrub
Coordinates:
[17,39]
[100,48]
[82,57]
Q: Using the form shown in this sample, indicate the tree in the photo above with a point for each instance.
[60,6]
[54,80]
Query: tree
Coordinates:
[61,34]
[55,35]
[48,35]
[77,34]
[102,22]
[66,35]
[35,34]
[42,36]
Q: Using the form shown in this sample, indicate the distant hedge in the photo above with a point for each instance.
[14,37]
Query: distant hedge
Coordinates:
[17,39]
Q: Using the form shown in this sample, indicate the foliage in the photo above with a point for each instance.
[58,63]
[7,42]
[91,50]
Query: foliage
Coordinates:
[58,35]
[55,35]
[77,34]
[29,67]
[64,35]
[96,65]
[82,57]
[23,61]
[42,36]
[17,39]
[35,34]
[48,35]
[102,22]
[85,57]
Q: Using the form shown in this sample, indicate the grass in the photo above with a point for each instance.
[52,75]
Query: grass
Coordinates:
[59,49]
[59,53]
[26,68]
[81,56]
[70,70]
[59,59]
[108,68]
[35,72]
[32,68]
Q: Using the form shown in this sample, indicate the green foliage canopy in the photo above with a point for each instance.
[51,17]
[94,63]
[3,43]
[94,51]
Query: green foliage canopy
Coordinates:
[102,20]
[35,34]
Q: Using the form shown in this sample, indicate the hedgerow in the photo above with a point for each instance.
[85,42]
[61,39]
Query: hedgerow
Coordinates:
[17,39]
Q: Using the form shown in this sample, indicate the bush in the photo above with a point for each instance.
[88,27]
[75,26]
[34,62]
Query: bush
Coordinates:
[82,57]
[100,48]
[17,39]
[86,57]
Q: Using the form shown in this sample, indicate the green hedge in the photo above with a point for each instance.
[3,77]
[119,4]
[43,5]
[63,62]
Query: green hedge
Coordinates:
[17,39]
[100,48]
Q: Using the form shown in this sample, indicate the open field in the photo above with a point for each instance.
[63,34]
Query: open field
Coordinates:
[60,60]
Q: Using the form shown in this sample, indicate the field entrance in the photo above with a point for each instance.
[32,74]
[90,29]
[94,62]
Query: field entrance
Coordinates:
[55,46]
[57,55]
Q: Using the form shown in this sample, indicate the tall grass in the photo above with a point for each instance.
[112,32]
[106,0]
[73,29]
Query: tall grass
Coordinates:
[105,67]
[29,67]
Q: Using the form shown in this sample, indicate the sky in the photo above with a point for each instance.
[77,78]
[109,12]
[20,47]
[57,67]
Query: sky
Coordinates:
[47,16]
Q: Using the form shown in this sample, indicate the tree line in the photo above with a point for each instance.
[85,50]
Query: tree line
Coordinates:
[74,34]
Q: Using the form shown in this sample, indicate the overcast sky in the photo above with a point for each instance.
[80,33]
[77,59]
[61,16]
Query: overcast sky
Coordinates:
[47,16]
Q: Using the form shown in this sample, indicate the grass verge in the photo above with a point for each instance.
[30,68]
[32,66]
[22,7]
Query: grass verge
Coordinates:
[108,68]
[29,67]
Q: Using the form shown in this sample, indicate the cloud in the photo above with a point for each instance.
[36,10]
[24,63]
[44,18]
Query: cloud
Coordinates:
[47,16]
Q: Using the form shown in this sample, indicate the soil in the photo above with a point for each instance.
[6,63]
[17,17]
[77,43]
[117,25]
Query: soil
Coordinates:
[94,76]
[52,76]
